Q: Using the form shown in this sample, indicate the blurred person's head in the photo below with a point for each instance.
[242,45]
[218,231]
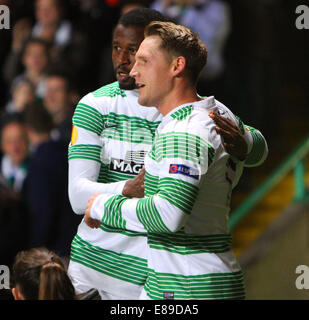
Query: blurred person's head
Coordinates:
[127,37]
[5,2]
[35,56]
[58,96]
[38,122]
[23,93]
[168,61]
[49,12]
[39,274]
[14,142]
[129,5]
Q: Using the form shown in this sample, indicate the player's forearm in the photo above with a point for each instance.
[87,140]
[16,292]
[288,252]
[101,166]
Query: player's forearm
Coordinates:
[152,214]
[108,209]
[83,184]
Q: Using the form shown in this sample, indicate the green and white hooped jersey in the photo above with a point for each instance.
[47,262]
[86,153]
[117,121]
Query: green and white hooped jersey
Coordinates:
[111,135]
[189,179]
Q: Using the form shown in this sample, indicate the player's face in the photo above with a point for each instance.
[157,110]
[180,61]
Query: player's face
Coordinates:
[152,72]
[126,41]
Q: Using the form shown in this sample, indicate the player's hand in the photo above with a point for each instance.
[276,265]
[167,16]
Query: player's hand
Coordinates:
[233,140]
[92,223]
[134,188]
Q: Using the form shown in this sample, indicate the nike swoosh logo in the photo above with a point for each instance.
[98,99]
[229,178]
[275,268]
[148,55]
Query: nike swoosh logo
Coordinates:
[107,126]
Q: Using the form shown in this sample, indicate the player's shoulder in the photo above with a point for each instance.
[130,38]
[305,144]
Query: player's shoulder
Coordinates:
[191,119]
[199,117]
[111,90]
[100,99]
[224,111]
[194,119]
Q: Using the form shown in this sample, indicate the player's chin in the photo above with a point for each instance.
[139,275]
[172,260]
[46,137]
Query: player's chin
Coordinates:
[128,84]
[144,102]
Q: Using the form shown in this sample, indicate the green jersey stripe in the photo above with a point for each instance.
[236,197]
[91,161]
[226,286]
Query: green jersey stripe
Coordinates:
[179,193]
[257,152]
[124,232]
[85,151]
[202,277]
[181,145]
[151,184]
[149,216]
[208,286]
[139,262]
[184,244]
[112,176]
[120,266]
[112,213]
[83,118]
[110,90]
[182,113]
[129,129]
[240,124]
[146,213]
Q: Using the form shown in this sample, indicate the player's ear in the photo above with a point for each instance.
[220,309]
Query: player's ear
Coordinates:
[179,65]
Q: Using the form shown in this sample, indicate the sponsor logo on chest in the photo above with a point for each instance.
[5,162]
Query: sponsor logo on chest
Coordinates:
[133,163]
[123,166]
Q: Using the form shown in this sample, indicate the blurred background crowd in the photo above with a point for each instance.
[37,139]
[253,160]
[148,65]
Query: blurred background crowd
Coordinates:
[56,51]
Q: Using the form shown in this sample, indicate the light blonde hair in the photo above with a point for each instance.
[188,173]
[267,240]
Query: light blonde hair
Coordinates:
[178,40]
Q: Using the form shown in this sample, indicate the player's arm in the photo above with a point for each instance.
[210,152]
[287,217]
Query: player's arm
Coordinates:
[181,169]
[84,157]
[259,151]
[243,142]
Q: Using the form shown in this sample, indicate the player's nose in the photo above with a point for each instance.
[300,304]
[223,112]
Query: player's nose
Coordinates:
[124,57]
[133,72]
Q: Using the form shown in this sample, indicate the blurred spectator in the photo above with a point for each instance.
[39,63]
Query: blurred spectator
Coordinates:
[69,46]
[39,274]
[13,172]
[212,21]
[14,145]
[13,64]
[35,59]
[59,101]
[5,40]
[22,94]
[52,223]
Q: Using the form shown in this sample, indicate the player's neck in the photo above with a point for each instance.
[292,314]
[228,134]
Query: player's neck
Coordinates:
[178,96]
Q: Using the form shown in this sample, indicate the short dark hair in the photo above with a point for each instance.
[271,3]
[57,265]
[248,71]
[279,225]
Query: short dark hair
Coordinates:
[39,41]
[10,118]
[143,3]
[37,118]
[141,17]
[181,41]
[61,72]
